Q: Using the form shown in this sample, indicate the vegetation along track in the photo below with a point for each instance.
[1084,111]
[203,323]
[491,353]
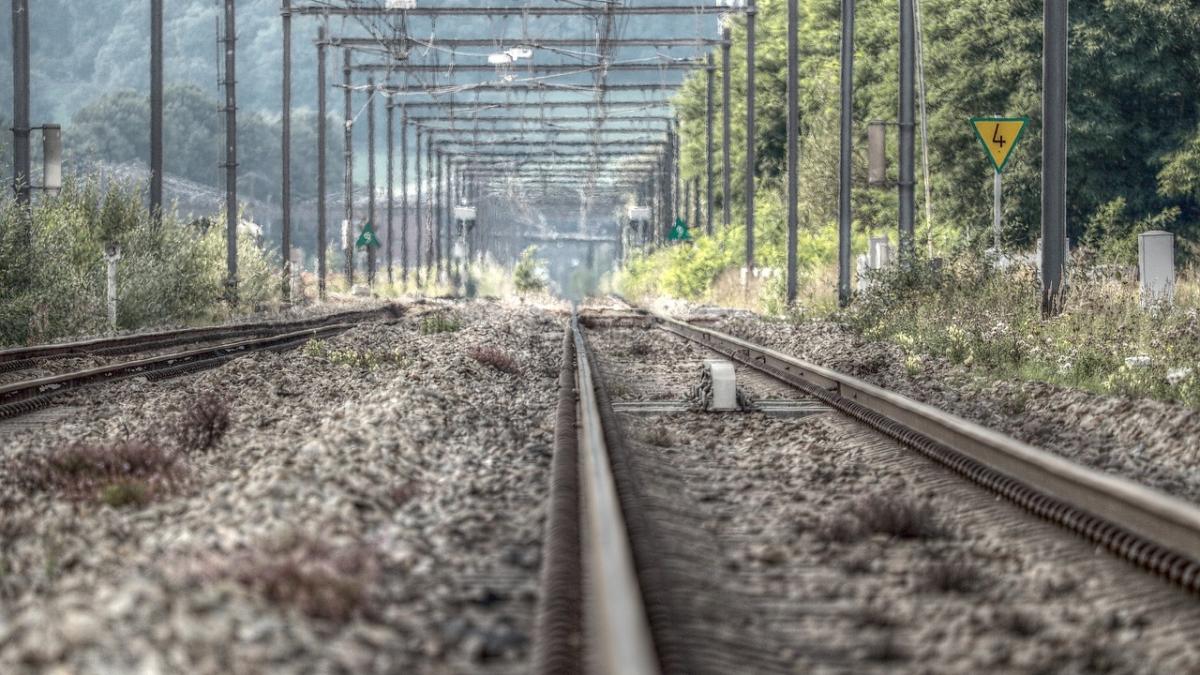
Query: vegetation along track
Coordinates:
[26,396]
[704,612]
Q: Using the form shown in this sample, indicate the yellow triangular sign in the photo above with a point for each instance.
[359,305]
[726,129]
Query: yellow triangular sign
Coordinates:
[999,135]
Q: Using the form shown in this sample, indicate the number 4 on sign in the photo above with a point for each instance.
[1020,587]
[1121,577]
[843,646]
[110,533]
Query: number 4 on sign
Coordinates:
[999,137]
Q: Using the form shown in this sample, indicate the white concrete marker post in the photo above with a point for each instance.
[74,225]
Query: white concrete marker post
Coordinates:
[1156,266]
[724,386]
[112,253]
[297,270]
[880,254]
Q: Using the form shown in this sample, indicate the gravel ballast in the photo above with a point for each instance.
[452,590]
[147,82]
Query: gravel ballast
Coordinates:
[832,549]
[1154,443]
[376,506]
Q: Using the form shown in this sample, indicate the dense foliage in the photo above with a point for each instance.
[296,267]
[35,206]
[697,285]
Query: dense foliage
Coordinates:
[52,268]
[1134,151]
[977,316]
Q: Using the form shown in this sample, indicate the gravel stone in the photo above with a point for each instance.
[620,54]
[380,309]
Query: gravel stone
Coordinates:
[1154,443]
[384,461]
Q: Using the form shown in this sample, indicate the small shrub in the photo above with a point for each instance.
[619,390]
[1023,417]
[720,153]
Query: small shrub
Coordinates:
[203,425]
[874,616]
[528,276]
[369,359]
[900,517]
[439,323]
[640,349]
[496,358]
[126,493]
[404,493]
[322,581]
[123,474]
[955,576]
[887,649]
[658,436]
[840,528]
[1021,624]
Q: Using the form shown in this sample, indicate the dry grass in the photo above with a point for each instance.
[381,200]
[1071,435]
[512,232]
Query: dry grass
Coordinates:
[952,576]
[319,580]
[898,516]
[202,425]
[840,528]
[439,323]
[130,473]
[895,516]
[496,358]
[404,493]
[659,437]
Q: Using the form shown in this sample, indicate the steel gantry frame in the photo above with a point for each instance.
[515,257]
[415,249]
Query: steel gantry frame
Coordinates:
[440,130]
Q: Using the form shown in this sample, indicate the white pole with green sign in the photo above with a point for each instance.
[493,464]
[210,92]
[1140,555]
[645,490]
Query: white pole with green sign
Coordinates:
[999,136]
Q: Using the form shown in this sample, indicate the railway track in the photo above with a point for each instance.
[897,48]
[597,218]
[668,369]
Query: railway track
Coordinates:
[24,358]
[21,397]
[628,579]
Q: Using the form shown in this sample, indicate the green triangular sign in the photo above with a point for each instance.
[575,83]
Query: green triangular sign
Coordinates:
[367,238]
[679,232]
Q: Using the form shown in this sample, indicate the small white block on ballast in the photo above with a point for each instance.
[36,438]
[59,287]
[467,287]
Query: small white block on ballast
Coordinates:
[724,386]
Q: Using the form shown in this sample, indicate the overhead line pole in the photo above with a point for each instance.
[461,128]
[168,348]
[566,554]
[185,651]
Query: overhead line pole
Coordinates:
[751,157]
[907,184]
[443,197]
[431,263]
[286,124]
[438,220]
[391,183]
[675,177]
[793,145]
[419,220]
[348,178]
[371,178]
[322,142]
[1056,27]
[156,110]
[845,174]
[709,73]
[726,131]
[22,158]
[231,203]
[404,195]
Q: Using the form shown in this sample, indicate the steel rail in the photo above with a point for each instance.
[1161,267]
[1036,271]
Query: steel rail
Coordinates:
[18,358]
[621,631]
[1153,530]
[29,395]
[557,645]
